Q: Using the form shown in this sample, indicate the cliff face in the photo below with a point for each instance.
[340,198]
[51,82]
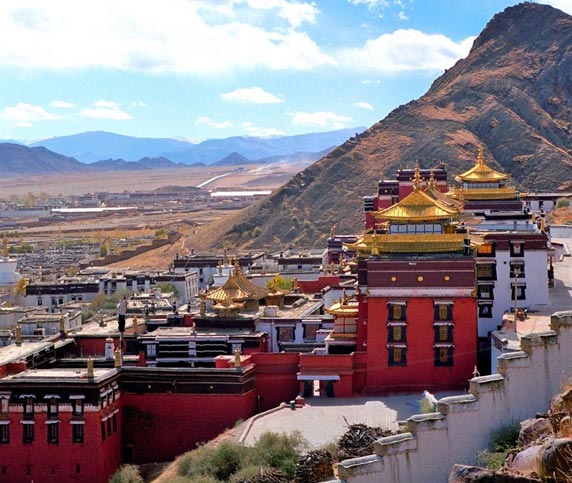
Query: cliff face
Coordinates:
[512,95]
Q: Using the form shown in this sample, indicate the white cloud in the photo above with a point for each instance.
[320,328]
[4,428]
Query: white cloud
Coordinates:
[372,4]
[107,104]
[26,115]
[61,104]
[564,5]
[139,104]
[319,119]
[368,82]
[295,13]
[207,121]
[103,109]
[187,37]
[406,50]
[364,105]
[251,95]
[402,15]
[260,132]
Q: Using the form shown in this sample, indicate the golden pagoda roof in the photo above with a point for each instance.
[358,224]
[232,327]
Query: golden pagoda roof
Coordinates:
[418,206]
[237,288]
[345,307]
[433,191]
[481,172]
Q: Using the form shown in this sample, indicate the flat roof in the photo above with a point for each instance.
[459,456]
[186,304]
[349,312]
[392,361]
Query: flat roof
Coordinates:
[13,352]
[74,374]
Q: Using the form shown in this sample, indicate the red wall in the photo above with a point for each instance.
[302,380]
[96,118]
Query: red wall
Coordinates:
[162,426]
[276,378]
[41,462]
[420,372]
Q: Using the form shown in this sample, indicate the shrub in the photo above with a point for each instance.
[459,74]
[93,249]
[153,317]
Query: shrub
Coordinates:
[127,474]
[502,441]
[280,451]
[562,203]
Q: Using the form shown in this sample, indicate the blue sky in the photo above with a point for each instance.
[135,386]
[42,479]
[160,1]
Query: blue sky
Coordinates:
[199,69]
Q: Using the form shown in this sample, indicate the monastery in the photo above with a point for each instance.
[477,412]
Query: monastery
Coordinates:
[407,305]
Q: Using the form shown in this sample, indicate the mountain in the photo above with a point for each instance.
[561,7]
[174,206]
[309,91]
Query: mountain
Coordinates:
[94,146]
[90,147]
[232,159]
[16,159]
[142,164]
[512,95]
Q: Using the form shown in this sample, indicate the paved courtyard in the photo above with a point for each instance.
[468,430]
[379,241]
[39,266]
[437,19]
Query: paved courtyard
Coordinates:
[323,420]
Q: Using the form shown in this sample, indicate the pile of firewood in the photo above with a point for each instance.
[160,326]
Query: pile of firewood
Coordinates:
[358,441]
[314,466]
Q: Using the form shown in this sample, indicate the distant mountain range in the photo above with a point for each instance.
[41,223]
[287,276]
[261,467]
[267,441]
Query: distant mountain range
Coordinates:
[113,152]
[95,146]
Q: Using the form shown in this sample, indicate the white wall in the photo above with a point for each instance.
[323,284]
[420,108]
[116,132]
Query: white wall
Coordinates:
[525,385]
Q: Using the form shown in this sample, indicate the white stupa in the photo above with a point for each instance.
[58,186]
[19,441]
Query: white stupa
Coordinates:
[8,276]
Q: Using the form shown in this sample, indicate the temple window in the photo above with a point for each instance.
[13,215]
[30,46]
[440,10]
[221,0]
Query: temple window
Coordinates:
[114,419]
[5,433]
[310,331]
[519,291]
[443,355]
[486,271]
[53,433]
[151,351]
[397,355]
[516,270]
[28,433]
[396,333]
[485,292]
[443,332]
[29,407]
[52,407]
[443,311]
[4,406]
[77,407]
[102,430]
[77,433]
[345,325]
[285,333]
[396,311]
[486,250]
[517,249]
[486,311]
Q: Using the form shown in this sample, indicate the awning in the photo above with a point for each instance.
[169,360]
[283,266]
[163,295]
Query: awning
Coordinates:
[318,377]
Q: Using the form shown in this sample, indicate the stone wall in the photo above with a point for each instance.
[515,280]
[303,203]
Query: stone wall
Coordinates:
[462,425]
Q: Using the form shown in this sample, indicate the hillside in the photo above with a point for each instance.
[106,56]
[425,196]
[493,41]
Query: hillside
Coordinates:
[16,159]
[512,95]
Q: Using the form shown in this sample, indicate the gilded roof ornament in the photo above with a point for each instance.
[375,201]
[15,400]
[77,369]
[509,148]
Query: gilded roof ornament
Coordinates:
[417,180]
[480,156]
[432,180]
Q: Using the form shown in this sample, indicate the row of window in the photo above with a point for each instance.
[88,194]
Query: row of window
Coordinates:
[286,334]
[486,292]
[442,312]
[398,333]
[398,356]
[489,250]
[52,407]
[488,271]
[52,433]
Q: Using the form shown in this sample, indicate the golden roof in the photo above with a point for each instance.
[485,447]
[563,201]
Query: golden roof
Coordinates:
[481,173]
[419,206]
[237,288]
[344,307]
[433,191]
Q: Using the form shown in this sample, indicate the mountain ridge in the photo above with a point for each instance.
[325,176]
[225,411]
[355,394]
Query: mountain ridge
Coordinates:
[512,95]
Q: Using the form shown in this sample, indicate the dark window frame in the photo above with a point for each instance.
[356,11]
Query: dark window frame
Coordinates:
[485,311]
[28,433]
[53,433]
[4,433]
[402,361]
[439,362]
[78,433]
[391,333]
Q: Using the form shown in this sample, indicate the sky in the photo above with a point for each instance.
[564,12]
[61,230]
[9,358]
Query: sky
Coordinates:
[201,69]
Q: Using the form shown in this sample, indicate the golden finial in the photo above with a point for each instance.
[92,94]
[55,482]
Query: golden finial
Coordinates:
[480,156]
[135,324]
[237,361]
[432,180]
[417,177]
[225,256]
[18,334]
[344,297]
[236,266]
[90,373]
[333,231]
[476,372]
[5,247]
[62,324]
[118,358]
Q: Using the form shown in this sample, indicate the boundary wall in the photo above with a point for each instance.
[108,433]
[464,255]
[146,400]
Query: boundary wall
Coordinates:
[526,383]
